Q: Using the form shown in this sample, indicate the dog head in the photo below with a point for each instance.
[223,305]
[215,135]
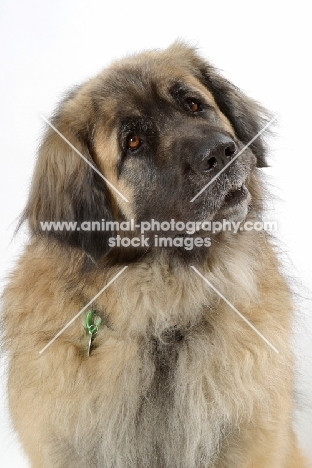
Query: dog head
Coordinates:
[153,129]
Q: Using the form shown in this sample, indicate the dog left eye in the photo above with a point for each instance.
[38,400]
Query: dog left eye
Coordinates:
[194,106]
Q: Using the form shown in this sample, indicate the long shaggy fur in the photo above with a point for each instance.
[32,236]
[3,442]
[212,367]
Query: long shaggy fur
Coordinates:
[175,378]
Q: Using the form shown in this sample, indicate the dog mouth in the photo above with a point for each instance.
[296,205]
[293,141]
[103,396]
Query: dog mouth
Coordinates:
[236,195]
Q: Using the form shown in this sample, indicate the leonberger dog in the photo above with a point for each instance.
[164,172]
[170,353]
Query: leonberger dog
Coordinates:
[130,354]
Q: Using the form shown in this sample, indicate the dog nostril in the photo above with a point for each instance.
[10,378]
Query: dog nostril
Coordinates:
[230,150]
[212,162]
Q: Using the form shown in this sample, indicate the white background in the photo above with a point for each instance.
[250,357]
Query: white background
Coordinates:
[263,47]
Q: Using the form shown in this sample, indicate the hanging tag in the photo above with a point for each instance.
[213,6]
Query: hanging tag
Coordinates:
[92,321]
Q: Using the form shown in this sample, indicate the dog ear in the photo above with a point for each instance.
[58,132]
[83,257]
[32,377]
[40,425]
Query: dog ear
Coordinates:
[246,116]
[66,189]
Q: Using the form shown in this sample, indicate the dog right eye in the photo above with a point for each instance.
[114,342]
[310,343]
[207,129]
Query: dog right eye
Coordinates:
[133,142]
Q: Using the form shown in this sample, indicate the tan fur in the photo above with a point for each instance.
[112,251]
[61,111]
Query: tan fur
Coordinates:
[222,398]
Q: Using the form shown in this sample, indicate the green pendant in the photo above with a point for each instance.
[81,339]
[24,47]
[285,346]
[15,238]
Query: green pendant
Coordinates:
[93,322]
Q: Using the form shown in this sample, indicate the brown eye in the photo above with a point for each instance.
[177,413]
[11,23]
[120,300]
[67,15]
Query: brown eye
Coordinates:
[194,106]
[133,142]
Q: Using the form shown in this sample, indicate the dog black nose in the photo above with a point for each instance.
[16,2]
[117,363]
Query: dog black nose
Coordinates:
[217,151]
